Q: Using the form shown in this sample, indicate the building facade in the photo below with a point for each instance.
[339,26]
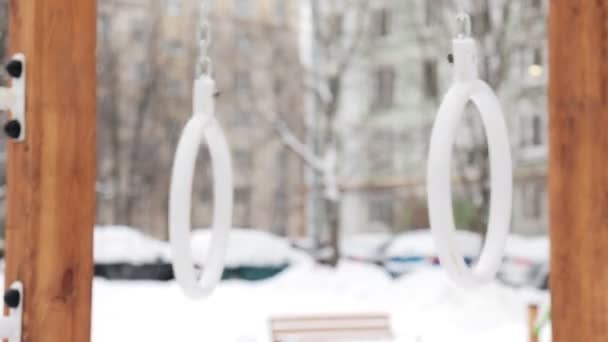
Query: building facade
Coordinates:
[148,51]
[394,89]
[255,54]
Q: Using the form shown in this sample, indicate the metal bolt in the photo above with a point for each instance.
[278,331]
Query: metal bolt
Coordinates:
[451,58]
[13,129]
[12,298]
[14,68]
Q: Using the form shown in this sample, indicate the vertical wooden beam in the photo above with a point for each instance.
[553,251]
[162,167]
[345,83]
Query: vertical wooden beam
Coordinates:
[51,177]
[532,318]
[578,167]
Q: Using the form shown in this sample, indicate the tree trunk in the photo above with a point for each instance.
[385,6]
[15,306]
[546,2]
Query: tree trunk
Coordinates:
[332,213]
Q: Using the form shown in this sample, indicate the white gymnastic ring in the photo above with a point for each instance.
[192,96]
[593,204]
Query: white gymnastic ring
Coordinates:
[198,128]
[439,182]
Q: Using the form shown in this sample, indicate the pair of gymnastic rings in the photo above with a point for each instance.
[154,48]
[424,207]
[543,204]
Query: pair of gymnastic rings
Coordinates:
[466,87]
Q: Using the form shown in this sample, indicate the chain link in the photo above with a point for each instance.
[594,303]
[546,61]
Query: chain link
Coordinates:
[464,24]
[463,20]
[460,6]
[204,65]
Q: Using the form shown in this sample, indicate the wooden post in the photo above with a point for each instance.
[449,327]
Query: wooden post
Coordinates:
[578,169]
[532,318]
[51,176]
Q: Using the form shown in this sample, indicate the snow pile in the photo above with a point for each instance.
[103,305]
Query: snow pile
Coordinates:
[423,306]
[365,246]
[526,261]
[535,249]
[429,307]
[247,247]
[120,245]
[421,243]
[411,251]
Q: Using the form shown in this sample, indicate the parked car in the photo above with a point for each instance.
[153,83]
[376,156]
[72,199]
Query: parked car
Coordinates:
[410,251]
[124,253]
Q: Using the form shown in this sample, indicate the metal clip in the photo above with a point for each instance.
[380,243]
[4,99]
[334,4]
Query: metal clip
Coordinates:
[464,25]
[11,326]
[13,98]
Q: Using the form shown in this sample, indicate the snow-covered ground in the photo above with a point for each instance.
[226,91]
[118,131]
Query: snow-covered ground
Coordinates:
[424,305]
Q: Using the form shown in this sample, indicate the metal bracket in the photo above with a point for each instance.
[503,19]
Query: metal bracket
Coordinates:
[14,98]
[465,59]
[12,325]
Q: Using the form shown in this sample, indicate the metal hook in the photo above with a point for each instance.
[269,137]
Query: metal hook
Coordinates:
[205,67]
[205,33]
[464,25]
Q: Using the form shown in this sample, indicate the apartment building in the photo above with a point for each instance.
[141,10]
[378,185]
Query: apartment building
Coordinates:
[391,97]
[255,54]
[148,52]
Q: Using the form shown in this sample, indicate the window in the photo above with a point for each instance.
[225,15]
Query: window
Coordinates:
[278,86]
[537,131]
[242,207]
[534,196]
[139,72]
[243,8]
[381,208]
[137,29]
[384,93]
[103,26]
[430,79]
[533,62]
[381,152]
[174,7]
[174,47]
[524,131]
[431,13]
[242,82]
[278,55]
[241,118]
[173,87]
[243,161]
[537,56]
[336,25]
[204,181]
[532,131]
[381,22]
[280,11]
[243,42]
[280,212]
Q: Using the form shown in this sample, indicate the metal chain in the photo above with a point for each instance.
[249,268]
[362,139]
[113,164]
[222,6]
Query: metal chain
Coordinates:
[464,24]
[460,6]
[204,65]
[463,20]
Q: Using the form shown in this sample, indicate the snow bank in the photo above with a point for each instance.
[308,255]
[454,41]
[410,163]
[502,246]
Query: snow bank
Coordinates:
[247,247]
[531,248]
[365,246]
[429,307]
[423,306]
[526,261]
[421,243]
[120,244]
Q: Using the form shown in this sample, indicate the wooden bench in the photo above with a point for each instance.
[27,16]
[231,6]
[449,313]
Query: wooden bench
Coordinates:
[332,328]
